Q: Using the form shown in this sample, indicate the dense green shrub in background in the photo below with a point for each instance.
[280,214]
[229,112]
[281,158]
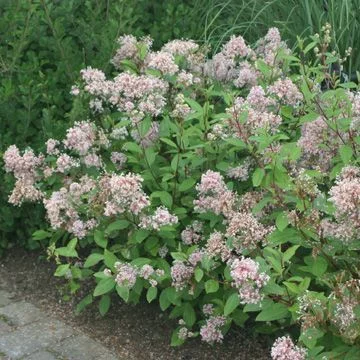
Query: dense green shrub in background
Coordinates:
[44,44]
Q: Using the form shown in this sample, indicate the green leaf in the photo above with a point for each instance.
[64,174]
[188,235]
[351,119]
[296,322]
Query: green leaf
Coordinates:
[258,176]
[198,274]
[236,142]
[282,221]
[211,286]
[263,67]
[93,259]
[189,315]
[239,317]
[100,239]
[104,304]
[164,301]
[104,286]
[69,250]
[123,292]
[346,153]
[141,235]
[72,243]
[164,196]
[179,256]
[357,311]
[187,184]
[61,270]
[41,235]
[140,262]
[87,300]
[276,311]
[287,235]
[65,251]
[310,337]
[317,266]
[150,155]
[169,142]
[117,225]
[290,252]
[194,105]
[231,304]
[133,147]
[173,295]
[151,294]
[110,259]
[175,340]
[310,46]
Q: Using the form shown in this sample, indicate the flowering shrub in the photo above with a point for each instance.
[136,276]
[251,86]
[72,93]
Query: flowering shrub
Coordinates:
[227,188]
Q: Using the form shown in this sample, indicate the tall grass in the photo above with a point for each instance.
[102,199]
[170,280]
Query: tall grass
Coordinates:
[251,18]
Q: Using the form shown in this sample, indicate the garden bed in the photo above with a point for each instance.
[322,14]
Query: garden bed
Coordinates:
[132,332]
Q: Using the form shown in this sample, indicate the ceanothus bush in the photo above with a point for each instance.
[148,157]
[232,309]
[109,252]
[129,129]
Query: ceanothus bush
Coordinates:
[227,187]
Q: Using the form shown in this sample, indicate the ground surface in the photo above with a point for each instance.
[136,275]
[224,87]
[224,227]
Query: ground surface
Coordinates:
[28,333]
[139,332]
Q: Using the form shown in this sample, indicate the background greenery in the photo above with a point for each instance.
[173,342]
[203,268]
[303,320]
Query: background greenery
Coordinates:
[44,44]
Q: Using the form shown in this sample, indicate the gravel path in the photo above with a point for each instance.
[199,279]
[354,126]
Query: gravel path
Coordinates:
[27,333]
[140,332]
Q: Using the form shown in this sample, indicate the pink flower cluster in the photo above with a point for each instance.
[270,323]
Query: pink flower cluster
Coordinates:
[130,49]
[192,234]
[61,207]
[216,247]
[235,47]
[123,193]
[208,309]
[247,279]
[126,274]
[236,61]
[160,218]
[319,143]
[284,349]
[25,168]
[345,195]
[181,274]
[119,159]
[344,315]
[247,75]
[241,172]
[180,47]
[269,46]
[65,162]
[81,137]
[211,331]
[183,332]
[162,61]
[214,195]
[247,116]
[181,109]
[136,95]
[95,81]
[196,257]
[51,147]
[243,228]
[245,231]
[344,300]
[286,91]
[149,138]
[22,166]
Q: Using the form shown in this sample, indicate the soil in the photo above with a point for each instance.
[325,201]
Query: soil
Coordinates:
[140,332]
